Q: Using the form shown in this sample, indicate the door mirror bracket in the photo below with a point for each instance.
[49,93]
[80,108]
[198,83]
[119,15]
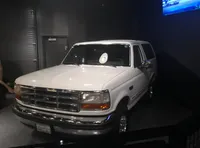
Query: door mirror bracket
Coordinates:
[145,64]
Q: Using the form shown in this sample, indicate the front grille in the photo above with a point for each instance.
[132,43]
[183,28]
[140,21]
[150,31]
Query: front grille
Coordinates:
[51,98]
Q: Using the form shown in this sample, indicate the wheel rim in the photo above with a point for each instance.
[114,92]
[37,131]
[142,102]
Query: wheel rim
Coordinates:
[150,91]
[123,124]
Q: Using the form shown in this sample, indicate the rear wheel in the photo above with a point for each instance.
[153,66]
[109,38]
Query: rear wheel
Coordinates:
[151,91]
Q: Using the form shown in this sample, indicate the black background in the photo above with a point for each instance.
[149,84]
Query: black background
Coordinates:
[176,38]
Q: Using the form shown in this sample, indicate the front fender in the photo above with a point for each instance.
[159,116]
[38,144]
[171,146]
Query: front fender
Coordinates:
[117,96]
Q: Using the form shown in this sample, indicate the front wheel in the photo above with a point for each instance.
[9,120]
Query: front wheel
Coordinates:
[123,124]
[122,118]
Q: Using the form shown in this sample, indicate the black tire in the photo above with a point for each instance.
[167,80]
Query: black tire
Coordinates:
[154,85]
[121,112]
[122,117]
[151,91]
[148,97]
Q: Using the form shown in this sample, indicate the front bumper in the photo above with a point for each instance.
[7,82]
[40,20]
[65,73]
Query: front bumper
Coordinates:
[66,124]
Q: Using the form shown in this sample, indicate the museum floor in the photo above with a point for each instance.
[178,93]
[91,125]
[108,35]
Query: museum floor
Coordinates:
[163,111]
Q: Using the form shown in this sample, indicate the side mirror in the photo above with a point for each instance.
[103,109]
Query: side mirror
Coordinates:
[146,64]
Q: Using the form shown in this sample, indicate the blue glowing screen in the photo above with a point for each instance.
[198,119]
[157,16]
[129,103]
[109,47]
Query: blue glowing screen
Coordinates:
[178,6]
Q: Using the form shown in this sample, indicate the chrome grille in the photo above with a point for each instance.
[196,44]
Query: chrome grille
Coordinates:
[51,98]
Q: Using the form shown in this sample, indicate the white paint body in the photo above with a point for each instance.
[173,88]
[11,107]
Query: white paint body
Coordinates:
[117,80]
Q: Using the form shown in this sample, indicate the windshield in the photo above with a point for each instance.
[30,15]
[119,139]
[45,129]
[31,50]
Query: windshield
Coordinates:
[110,55]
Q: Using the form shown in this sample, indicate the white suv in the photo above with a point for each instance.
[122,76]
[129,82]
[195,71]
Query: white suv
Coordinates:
[91,91]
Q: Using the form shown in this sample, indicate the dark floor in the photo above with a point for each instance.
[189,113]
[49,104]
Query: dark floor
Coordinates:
[161,112]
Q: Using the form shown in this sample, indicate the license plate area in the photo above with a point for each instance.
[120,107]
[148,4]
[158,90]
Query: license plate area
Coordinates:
[43,128]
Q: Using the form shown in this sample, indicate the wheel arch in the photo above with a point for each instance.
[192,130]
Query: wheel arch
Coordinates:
[124,101]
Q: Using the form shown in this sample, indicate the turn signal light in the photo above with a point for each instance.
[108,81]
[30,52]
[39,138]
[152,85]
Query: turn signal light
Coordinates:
[95,106]
[17,90]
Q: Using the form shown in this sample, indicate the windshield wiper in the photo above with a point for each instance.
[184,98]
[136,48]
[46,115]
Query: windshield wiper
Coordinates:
[110,65]
[71,64]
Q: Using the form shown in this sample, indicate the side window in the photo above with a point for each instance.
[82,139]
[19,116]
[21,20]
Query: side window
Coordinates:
[148,51]
[137,56]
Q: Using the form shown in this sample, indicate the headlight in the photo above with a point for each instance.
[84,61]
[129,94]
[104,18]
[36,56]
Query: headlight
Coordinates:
[95,100]
[17,90]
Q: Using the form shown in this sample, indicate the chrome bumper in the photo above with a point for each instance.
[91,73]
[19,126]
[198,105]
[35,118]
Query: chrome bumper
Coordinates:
[75,125]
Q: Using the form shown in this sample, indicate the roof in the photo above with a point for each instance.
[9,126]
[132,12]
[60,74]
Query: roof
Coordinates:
[112,42]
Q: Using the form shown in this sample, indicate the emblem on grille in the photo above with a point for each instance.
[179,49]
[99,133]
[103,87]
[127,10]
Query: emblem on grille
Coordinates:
[51,90]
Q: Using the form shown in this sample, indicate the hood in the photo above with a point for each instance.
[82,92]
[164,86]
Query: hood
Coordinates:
[72,77]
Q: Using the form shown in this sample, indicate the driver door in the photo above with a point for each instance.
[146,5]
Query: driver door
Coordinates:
[140,74]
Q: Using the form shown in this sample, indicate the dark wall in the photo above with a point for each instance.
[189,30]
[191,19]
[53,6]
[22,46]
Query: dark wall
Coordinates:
[111,19]
[177,41]
[178,34]
[24,23]
[86,20]
[60,18]
[17,38]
